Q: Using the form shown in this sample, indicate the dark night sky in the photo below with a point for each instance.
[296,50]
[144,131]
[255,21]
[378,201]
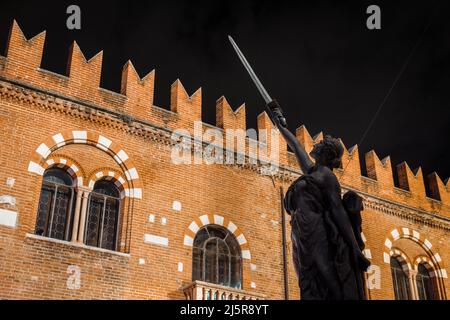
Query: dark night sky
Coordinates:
[319,60]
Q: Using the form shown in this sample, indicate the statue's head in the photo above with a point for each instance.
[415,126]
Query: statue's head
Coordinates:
[353,202]
[328,152]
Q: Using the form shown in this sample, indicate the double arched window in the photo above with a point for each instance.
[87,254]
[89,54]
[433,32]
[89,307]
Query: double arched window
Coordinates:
[424,285]
[57,206]
[217,257]
[103,216]
[55,211]
[400,280]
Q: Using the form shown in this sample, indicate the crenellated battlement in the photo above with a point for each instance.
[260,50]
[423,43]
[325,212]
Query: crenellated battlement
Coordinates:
[411,180]
[140,92]
[24,54]
[188,107]
[84,74]
[380,170]
[227,118]
[135,99]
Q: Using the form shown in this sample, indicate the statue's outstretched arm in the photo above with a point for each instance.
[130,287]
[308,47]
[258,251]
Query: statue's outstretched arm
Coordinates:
[300,153]
[340,217]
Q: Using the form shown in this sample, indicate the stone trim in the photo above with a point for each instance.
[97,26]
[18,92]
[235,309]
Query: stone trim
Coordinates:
[60,139]
[414,235]
[216,219]
[76,244]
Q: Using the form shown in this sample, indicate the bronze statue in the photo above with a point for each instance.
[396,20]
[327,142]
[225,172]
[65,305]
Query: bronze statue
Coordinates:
[327,256]
[326,229]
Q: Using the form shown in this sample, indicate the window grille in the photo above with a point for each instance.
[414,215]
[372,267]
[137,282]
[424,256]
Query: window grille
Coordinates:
[400,281]
[217,257]
[103,216]
[56,205]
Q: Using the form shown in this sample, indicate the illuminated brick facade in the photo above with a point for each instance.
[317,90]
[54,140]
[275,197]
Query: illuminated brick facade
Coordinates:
[67,121]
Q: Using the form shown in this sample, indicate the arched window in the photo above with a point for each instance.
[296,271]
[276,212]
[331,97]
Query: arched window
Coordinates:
[425,285]
[400,281]
[102,223]
[217,257]
[56,204]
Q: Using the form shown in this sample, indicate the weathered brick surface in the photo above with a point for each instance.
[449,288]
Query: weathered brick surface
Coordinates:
[35,105]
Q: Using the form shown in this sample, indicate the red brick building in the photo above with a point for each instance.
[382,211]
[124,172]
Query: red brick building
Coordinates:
[92,206]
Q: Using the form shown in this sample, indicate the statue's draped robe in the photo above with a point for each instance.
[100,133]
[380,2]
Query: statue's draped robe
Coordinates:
[322,260]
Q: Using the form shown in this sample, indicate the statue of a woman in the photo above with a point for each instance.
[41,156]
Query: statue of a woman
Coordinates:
[327,257]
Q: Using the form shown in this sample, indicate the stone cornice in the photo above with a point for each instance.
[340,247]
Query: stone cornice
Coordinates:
[405,212]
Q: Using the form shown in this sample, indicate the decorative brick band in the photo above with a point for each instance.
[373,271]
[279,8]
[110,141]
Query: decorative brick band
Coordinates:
[407,233]
[118,180]
[39,157]
[405,212]
[402,258]
[427,263]
[216,219]
[66,164]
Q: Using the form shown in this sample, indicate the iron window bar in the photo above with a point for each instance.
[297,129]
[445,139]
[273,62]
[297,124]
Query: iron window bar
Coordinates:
[100,225]
[425,286]
[232,260]
[54,188]
[400,281]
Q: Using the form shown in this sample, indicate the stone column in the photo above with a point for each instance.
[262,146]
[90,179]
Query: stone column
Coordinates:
[83,214]
[76,216]
[412,284]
